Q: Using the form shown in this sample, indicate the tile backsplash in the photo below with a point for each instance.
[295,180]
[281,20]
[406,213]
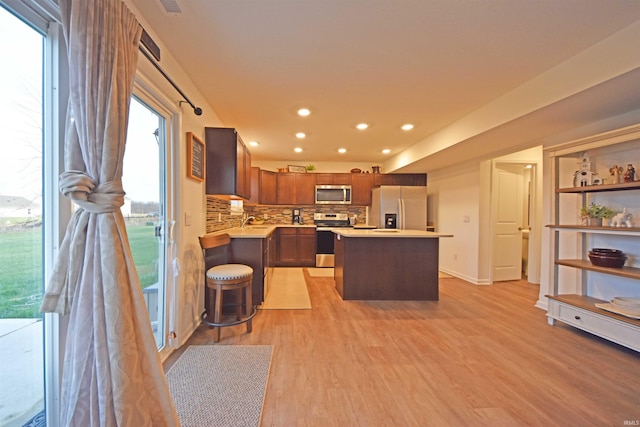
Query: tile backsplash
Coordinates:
[219,213]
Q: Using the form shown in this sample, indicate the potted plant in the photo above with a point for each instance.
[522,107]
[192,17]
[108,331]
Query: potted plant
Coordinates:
[310,168]
[594,213]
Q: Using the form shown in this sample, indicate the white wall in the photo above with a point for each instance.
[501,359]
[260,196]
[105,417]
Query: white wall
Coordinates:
[454,195]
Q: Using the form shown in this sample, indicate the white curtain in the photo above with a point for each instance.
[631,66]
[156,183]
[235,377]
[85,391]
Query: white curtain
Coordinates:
[112,373]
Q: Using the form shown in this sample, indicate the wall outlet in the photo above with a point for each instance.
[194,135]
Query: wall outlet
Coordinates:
[265,216]
[219,216]
[466,218]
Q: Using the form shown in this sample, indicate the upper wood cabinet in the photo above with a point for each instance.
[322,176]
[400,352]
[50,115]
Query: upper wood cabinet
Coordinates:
[228,163]
[361,184]
[333,178]
[263,186]
[409,179]
[295,188]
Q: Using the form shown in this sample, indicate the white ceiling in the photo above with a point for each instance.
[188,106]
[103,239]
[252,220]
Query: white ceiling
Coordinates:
[385,62]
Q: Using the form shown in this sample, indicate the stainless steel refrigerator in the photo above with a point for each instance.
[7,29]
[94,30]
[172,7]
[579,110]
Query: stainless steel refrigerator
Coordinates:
[400,207]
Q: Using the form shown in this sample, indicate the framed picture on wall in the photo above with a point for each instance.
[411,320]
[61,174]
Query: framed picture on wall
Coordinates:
[298,169]
[196,155]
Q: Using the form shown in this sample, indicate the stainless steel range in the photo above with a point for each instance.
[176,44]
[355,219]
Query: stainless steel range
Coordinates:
[325,222]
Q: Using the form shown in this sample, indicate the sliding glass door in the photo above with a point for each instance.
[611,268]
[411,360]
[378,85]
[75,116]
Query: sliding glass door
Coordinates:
[145,207]
[22,366]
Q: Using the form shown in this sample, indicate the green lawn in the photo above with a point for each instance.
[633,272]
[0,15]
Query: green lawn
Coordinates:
[21,279]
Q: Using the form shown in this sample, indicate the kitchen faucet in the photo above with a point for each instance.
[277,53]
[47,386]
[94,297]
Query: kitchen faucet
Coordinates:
[247,219]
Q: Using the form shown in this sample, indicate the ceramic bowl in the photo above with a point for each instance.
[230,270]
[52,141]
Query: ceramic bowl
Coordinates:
[607,252]
[615,261]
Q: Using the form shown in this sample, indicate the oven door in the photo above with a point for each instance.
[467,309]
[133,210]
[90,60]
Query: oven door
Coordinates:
[324,248]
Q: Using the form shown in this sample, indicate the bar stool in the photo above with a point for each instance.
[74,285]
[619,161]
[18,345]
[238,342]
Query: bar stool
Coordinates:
[220,276]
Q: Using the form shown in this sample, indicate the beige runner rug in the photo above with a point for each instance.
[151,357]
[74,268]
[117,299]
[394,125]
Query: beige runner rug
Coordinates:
[220,385]
[288,290]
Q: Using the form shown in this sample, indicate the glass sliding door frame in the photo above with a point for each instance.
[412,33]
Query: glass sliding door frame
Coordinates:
[148,94]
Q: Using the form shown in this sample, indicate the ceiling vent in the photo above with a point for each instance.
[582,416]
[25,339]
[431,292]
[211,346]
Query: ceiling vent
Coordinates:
[170,6]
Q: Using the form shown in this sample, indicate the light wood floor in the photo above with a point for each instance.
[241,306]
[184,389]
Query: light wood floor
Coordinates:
[482,355]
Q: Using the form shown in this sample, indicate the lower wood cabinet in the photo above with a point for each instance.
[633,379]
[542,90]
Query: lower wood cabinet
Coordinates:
[296,247]
[255,254]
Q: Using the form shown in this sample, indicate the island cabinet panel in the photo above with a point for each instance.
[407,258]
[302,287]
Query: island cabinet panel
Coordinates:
[251,252]
[295,188]
[228,163]
[296,247]
[361,185]
[386,268]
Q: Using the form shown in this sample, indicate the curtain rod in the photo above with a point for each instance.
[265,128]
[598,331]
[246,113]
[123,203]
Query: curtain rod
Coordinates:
[196,110]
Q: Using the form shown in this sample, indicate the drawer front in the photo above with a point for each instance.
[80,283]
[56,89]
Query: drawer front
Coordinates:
[603,326]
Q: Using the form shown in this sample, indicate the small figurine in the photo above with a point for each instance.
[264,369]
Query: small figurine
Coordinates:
[629,175]
[616,172]
[622,219]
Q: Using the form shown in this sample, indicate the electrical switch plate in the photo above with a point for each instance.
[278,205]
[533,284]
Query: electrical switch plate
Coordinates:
[219,216]
[187,219]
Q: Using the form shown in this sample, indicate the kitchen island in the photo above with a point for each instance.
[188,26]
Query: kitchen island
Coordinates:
[385,264]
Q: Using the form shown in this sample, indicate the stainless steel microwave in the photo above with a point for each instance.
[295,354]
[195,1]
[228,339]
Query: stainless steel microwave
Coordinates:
[333,194]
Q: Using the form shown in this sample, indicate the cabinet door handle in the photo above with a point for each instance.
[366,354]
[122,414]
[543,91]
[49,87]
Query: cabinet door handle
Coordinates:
[577,317]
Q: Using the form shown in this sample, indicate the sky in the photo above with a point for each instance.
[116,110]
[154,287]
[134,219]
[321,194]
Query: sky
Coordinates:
[21,50]
[20,122]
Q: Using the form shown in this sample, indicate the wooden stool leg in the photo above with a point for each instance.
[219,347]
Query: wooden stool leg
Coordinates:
[217,317]
[239,305]
[249,305]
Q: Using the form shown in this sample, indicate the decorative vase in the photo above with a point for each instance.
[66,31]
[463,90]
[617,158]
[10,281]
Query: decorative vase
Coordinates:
[594,222]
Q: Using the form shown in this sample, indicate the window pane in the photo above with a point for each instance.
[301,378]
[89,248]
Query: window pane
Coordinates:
[21,258]
[143,211]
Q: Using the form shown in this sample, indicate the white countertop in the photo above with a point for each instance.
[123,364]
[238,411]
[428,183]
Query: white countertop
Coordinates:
[384,232]
[263,231]
[258,231]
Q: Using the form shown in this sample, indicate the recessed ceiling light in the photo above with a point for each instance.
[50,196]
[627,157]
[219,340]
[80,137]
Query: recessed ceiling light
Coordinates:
[408,126]
[304,112]
[386,151]
[342,150]
[362,126]
[300,135]
[254,143]
[298,150]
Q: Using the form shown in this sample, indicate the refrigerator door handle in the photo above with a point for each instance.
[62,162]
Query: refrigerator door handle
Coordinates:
[401,217]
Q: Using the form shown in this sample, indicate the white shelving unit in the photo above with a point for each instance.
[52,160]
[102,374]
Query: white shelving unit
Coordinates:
[579,285]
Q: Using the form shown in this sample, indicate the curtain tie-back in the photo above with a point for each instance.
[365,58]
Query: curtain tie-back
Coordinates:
[101,198]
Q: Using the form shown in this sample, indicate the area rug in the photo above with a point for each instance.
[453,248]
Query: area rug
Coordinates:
[320,272]
[220,385]
[288,290]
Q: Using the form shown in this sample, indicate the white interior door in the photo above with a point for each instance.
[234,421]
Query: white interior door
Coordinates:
[507,226]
